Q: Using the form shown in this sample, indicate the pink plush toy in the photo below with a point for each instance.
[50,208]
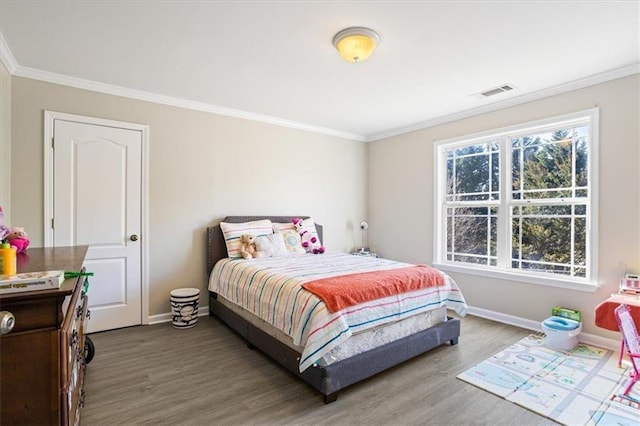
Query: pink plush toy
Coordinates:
[309,241]
[18,239]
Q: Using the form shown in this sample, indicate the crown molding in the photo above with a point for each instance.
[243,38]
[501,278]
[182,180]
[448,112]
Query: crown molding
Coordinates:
[110,89]
[6,57]
[507,103]
[14,69]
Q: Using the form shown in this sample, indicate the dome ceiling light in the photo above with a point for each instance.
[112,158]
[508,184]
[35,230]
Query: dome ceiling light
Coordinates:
[356,44]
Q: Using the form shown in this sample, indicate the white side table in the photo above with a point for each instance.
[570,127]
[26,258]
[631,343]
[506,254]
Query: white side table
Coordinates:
[362,252]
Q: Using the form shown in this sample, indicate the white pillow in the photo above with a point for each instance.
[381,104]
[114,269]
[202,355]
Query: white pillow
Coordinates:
[292,241]
[282,226]
[272,245]
[233,231]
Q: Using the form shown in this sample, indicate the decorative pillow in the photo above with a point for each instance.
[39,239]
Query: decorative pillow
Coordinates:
[309,225]
[272,245]
[279,226]
[292,241]
[232,232]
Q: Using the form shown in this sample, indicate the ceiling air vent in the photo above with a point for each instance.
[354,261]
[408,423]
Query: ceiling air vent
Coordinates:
[497,90]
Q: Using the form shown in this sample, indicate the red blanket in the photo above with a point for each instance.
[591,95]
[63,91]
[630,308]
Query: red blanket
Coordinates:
[605,316]
[348,290]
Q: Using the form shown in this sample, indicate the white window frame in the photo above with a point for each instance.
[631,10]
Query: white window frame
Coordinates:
[503,270]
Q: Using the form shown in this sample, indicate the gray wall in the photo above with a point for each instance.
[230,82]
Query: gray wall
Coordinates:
[401,207]
[5,142]
[202,167]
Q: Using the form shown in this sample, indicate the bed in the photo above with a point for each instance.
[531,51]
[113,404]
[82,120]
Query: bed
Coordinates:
[356,355]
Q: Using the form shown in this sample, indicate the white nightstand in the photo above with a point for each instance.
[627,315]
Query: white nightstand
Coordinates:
[364,252]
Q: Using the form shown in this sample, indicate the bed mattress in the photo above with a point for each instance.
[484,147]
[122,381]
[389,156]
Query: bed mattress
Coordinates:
[271,289]
[358,342]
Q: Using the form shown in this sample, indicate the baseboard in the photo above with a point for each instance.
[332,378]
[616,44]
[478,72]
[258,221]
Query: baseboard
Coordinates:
[588,338]
[160,318]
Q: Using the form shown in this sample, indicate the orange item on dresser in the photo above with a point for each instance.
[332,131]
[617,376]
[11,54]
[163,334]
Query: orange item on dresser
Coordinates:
[8,261]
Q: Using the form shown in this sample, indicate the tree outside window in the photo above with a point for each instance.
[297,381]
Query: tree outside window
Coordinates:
[519,200]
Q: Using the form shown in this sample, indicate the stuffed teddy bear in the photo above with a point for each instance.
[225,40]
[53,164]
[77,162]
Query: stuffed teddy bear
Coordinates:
[18,238]
[248,248]
[309,242]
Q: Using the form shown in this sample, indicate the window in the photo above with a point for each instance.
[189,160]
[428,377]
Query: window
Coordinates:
[520,200]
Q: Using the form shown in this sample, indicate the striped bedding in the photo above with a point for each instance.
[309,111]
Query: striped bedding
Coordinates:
[271,288]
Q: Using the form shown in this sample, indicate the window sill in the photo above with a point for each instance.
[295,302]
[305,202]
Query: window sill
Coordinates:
[569,284]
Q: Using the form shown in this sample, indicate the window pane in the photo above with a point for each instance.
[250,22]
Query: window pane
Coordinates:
[450,182]
[451,233]
[549,239]
[470,259]
[472,234]
[493,240]
[580,242]
[580,272]
[550,164]
[581,142]
[546,239]
[515,171]
[472,177]
[495,176]
[546,210]
[473,172]
[544,267]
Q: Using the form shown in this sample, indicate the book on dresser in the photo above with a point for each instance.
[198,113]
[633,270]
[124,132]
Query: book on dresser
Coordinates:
[31,281]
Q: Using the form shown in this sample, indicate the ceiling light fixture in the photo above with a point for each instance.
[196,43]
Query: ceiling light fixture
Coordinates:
[356,44]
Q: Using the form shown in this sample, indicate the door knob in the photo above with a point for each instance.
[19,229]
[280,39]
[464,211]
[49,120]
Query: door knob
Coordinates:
[7,321]
[133,237]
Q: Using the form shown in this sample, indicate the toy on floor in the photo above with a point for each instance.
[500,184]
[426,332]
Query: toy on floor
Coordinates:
[562,328]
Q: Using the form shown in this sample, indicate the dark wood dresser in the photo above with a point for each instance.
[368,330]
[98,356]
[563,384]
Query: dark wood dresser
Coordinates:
[42,361]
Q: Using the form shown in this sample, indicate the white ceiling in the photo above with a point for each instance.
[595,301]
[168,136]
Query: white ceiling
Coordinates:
[274,60]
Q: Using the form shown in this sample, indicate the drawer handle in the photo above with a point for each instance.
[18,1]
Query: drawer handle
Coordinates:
[7,321]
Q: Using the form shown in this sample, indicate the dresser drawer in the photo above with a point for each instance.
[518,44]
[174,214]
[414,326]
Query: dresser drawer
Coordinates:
[76,360]
[29,386]
[73,400]
[72,340]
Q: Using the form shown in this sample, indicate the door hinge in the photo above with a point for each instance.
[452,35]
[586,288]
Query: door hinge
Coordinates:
[52,226]
[53,143]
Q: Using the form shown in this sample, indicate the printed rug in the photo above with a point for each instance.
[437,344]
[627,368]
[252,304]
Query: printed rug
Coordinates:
[580,387]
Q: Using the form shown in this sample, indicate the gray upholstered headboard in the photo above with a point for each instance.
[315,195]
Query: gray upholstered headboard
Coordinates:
[216,247]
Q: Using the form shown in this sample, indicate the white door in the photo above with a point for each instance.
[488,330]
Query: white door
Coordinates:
[96,186]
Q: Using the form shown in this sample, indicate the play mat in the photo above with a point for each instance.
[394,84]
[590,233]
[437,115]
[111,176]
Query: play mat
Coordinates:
[580,387]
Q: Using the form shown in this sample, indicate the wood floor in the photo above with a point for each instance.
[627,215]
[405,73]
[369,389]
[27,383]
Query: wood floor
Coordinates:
[206,375]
